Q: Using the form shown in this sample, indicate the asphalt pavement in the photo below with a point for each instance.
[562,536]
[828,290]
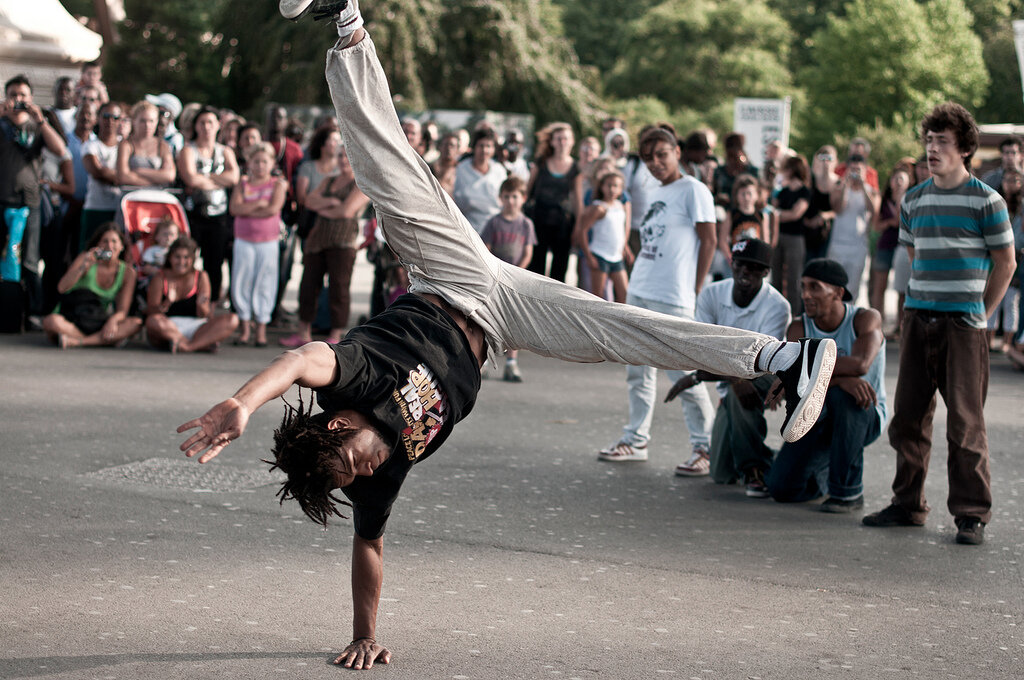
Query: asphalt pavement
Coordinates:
[512,552]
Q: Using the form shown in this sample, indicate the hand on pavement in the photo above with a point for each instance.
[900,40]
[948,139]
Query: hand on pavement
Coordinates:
[361,654]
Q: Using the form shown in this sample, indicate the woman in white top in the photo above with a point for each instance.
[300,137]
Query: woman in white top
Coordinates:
[99,156]
[855,203]
[602,234]
[477,180]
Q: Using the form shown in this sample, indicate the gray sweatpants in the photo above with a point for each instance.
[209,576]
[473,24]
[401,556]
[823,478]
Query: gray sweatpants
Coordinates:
[515,308]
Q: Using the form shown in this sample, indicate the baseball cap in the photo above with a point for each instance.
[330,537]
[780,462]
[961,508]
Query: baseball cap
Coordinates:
[830,272]
[167,101]
[753,250]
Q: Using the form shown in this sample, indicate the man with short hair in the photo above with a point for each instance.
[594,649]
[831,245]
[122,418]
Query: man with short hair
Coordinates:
[1011,157]
[394,388]
[831,457]
[861,147]
[677,244]
[24,132]
[957,232]
[64,103]
[744,301]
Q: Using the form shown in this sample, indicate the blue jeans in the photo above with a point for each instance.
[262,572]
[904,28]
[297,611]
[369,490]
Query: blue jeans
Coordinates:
[830,456]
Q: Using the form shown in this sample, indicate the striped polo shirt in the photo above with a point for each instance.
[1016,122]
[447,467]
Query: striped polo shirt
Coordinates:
[952,232]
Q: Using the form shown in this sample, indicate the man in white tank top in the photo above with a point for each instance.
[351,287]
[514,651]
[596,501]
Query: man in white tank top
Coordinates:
[830,459]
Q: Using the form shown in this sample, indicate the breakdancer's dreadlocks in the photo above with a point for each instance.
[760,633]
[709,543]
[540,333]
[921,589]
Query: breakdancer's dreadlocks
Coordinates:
[306,450]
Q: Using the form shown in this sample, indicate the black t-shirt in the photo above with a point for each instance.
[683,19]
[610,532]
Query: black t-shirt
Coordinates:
[785,200]
[412,370]
[20,149]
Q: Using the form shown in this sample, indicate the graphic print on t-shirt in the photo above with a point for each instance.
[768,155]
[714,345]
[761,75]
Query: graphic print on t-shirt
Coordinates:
[651,231]
[424,407]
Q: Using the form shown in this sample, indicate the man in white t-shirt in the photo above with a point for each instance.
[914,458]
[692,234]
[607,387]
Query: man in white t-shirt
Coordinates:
[640,183]
[744,301]
[677,243]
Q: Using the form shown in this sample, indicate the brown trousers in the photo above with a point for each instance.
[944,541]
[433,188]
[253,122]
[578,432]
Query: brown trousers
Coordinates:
[337,264]
[941,352]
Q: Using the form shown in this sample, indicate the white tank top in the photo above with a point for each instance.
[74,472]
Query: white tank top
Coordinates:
[608,235]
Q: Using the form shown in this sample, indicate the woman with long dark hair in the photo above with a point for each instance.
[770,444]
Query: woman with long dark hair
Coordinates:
[553,199]
[209,169]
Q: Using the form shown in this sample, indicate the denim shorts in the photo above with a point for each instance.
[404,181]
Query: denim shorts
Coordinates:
[882,261]
[609,267]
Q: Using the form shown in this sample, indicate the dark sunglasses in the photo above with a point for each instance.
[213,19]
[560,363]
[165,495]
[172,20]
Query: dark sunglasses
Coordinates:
[111,116]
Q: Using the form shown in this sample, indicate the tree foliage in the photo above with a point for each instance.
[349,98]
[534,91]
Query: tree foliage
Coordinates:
[697,53]
[890,61]
[875,65]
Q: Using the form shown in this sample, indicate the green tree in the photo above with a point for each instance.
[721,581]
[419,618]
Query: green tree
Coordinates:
[597,28]
[890,61]
[510,56]
[698,53]
[168,47]
[805,18]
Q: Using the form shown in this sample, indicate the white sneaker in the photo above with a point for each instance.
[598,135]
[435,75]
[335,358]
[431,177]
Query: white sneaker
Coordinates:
[623,451]
[806,383]
[699,464]
[296,9]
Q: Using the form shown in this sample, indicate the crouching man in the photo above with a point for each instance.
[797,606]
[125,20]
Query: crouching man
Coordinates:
[745,301]
[830,459]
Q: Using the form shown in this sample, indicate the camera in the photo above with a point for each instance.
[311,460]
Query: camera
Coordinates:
[104,255]
[20,106]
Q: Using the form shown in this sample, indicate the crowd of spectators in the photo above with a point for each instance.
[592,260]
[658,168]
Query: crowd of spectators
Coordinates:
[254,194]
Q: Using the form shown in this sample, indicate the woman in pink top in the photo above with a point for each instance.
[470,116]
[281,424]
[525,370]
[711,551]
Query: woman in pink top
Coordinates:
[256,206]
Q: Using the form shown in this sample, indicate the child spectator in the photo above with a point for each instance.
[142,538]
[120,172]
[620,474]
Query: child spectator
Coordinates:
[92,76]
[256,205]
[153,257]
[510,236]
[746,220]
[602,236]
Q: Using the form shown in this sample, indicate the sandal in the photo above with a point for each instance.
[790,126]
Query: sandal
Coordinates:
[293,341]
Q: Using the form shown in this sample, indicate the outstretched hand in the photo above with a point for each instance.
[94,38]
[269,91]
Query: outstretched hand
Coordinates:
[361,654]
[219,426]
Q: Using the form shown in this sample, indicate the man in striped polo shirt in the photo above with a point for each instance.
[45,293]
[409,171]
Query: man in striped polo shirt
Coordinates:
[958,234]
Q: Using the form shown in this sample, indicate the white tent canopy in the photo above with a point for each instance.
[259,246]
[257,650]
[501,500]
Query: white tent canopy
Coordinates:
[43,31]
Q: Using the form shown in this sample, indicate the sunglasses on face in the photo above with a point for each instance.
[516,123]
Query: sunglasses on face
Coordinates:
[110,116]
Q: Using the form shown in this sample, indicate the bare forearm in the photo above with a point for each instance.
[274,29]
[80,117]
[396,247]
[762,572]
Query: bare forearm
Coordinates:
[367,577]
[313,365]
[1003,265]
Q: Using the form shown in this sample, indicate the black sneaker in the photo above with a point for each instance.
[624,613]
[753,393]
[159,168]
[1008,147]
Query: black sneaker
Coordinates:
[805,384]
[754,479]
[970,531]
[891,516]
[321,9]
[840,506]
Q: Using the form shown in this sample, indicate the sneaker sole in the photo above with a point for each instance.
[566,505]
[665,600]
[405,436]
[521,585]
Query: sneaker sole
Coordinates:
[809,408]
[757,494]
[692,473]
[292,9]
[612,458]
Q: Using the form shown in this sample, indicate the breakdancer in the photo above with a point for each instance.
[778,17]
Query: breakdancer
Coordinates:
[392,390]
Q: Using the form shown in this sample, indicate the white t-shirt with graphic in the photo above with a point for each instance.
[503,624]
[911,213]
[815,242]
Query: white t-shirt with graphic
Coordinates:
[666,266]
